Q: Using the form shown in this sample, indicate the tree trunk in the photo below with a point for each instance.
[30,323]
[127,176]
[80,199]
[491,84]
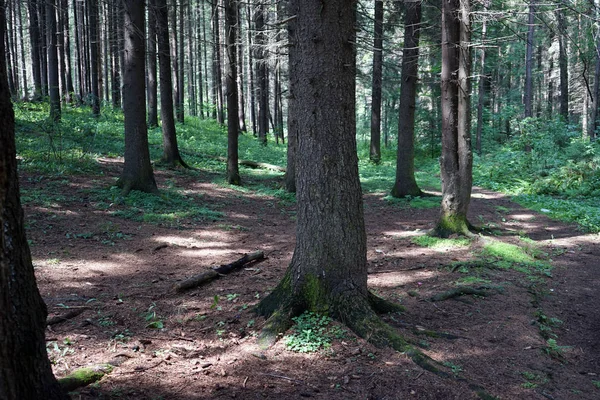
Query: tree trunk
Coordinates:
[180,111]
[240,71]
[528,91]
[171,155]
[137,171]
[151,67]
[77,28]
[22,48]
[375,147]
[231,21]
[25,372]
[34,37]
[482,86]
[456,161]
[563,65]
[261,74]
[328,271]
[405,184]
[53,84]
[94,64]
[203,110]
[593,125]
[252,96]
[41,4]
[67,49]
[190,64]
[217,73]
[115,56]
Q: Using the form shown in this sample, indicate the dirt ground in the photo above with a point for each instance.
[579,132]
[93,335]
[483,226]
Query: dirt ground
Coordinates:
[123,272]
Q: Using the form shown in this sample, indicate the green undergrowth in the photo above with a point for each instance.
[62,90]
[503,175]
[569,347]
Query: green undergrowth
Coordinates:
[312,332]
[436,243]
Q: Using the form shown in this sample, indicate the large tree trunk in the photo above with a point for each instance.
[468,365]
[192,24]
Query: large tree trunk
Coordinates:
[456,161]
[151,67]
[137,171]
[53,84]
[375,147]
[171,155]
[25,371]
[405,184]
[328,271]
[231,21]
[528,92]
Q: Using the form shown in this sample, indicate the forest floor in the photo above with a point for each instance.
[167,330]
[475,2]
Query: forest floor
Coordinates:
[535,335]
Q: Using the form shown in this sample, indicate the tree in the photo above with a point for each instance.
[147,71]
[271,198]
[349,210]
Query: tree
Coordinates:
[53,83]
[328,271]
[456,161]
[405,184]
[137,171]
[25,372]
[34,37]
[375,148]
[151,67]
[528,92]
[231,22]
[261,73]
[92,7]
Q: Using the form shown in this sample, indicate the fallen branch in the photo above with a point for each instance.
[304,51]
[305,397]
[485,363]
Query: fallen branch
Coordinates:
[87,375]
[212,274]
[65,317]
[460,291]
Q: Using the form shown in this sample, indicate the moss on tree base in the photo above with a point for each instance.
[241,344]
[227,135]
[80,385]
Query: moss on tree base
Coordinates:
[84,376]
[453,224]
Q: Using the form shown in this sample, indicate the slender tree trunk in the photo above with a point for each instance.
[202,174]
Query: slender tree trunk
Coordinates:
[528,92]
[53,83]
[456,161]
[375,147]
[25,372]
[563,65]
[180,111]
[406,184]
[43,46]
[12,79]
[115,57]
[550,89]
[190,60]
[593,125]
[94,64]
[34,37]
[67,35]
[240,70]
[137,171]
[251,81]
[151,67]
[231,21]
[171,154]
[205,111]
[200,48]
[261,74]
[62,52]
[22,47]
[482,86]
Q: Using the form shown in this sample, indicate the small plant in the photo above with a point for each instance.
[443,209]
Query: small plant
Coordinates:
[154,321]
[554,350]
[596,384]
[311,333]
[215,304]
[456,369]
[232,296]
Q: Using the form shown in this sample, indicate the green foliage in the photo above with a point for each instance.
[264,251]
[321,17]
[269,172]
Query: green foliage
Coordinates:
[509,256]
[554,350]
[532,380]
[312,332]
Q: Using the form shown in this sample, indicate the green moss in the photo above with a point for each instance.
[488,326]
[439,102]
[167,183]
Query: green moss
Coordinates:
[84,376]
[451,224]
[436,243]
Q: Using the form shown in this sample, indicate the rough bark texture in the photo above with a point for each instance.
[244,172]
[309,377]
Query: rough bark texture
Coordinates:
[375,145]
[405,184]
[53,84]
[456,161]
[231,20]
[137,171]
[171,155]
[25,371]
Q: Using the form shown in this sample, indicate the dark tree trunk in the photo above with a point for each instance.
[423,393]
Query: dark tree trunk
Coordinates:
[22,48]
[25,372]
[456,161]
[77,28]
[200,50]
[67,49]
[405,184]
[41,9]
[216,65]
[34,36]
[375,148]
[180,111]
[563,65]
[151,67]
[190,64]
[94,64]
[240,70]
[137,171]
[251,97]
[171,154]
[528,92]
[115,56]
[593,125]
[53,83]
[328,271]
[261,74]
[482,92]
[231,21]
[203,110]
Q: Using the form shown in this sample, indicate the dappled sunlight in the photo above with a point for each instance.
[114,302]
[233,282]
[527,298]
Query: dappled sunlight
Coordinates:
[206,241]
[523,216]
[395,279]
[481,194]
[402,234]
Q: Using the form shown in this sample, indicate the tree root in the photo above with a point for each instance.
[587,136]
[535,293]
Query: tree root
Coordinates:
[459,291]
[87,375]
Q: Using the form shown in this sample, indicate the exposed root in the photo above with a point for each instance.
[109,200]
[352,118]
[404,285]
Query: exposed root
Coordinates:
[383,306]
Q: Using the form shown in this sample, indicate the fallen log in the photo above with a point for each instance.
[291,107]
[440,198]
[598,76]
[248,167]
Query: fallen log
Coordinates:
[212,274]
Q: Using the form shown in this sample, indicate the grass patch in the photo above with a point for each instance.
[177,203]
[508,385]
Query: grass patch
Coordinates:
[472,280]
[509,256]
[436,243]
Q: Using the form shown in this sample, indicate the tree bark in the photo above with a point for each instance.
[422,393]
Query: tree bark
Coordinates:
[216,65]
[528,91]
[34,37]
[406,184]
[115,55]
[64,9]
[171,155]
[456,161]
[376,89]
[231,21]
[240,71]
[563,65]
[25,372]
[251,97]
[152,81]
[53,84]
[482,86]
[94,64]
[137,171]
[22,48]
[261,74]
[180,111]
